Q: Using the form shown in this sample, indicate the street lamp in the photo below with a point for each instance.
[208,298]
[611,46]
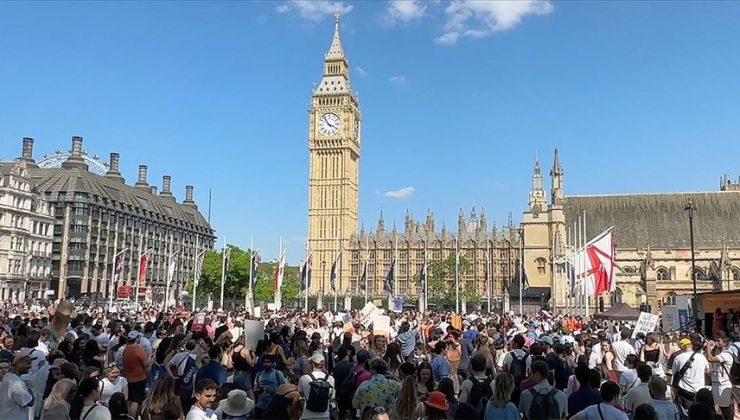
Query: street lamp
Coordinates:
[690,210]
[112,276]
[323,281]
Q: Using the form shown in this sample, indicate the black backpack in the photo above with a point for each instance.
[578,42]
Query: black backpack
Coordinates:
[544,405]
[480,393]
[319,395]
[279,407]
[347,388]
[518,368]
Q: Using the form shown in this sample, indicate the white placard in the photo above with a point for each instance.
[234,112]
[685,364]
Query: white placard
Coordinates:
[329,316]
[254,331]
[271,307]
[670,318]
[257,312]
[344,317]
[382,325]
[368,314]
[646,323]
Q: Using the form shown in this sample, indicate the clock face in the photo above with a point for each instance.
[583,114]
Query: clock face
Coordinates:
[329,124]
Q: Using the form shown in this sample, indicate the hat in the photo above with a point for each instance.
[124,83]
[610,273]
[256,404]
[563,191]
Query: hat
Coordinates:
[57,363]
[24,358]
[546,339]
[317,359]
[363,356]
[437,400]
[684,342]
[522,329]
[236,403]
[133,335]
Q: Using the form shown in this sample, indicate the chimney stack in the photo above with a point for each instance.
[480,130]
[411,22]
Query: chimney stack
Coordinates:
[154,189]
[189,197]
[113,168]
[27,153]
[75,160]
[141,183]
[167,188]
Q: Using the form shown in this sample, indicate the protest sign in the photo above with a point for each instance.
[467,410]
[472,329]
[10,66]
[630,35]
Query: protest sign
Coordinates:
[382,325]
[670,318]
[368,314]
[456,321]
[254,331]
[199,321]
[646,323]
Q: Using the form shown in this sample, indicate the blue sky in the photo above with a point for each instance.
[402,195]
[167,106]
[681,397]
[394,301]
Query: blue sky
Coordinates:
[458,99]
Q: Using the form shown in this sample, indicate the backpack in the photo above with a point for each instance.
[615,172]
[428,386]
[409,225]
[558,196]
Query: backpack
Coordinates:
[347,388]
[544,405]
[480,393]
[185,382]
[156,372]
[279,406]
[518,368]
[319,394]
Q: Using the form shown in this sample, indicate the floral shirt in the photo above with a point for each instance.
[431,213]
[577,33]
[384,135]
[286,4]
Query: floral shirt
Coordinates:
[378,391]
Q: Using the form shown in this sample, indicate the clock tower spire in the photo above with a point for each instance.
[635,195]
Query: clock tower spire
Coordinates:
[334,153]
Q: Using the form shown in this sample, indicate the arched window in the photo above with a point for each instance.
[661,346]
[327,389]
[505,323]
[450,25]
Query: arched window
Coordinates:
[669,299]
[699,273]
[735,274]
[541,265]
[629,270]
[617,296]
[662,274]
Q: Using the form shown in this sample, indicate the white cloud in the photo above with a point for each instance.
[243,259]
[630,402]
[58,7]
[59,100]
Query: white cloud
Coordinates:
[404,10]
[397,80]
[476,19]
[402,193]
[314,10]
[360,71]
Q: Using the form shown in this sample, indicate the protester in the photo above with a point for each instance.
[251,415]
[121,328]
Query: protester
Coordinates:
[542,396]
[500,406]
[205,395]
[605,409]
[664,409]
[379,391]
[15,397]
[162,402]
[56,405]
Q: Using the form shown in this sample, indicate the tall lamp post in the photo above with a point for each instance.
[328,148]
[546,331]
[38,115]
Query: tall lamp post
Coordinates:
[695,308]
[112,277]
[323,281]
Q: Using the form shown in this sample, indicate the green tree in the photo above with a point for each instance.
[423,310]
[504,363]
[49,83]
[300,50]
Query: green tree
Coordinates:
[442,278]
[470,293]
[291,289]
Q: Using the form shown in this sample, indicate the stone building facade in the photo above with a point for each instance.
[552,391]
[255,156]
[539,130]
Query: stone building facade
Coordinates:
[96,217]
[653,249]
[334,143]
[26,231]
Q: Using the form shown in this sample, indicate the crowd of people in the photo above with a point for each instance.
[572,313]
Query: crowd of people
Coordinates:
[87,364]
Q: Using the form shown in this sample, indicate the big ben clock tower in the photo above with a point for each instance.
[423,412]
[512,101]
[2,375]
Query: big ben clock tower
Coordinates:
[334,149]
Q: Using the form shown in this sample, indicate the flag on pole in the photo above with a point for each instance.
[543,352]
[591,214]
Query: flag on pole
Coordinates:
[600,263]
[198,270]
[306,272]
[333,273]
[119,267]
[278,280]
[362,283]
[143,267]
[486,276]
[424,273]
[171,268]
[570,272]
[255,265]
[390,278]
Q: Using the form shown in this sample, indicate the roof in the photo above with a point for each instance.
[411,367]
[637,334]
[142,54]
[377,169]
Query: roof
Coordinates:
[659,220]
[55,180]
[336,52]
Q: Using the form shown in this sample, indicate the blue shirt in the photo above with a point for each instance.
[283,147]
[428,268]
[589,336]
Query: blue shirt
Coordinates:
[213,371]
[507,412]
[584,397]
[471,335]
[440,368]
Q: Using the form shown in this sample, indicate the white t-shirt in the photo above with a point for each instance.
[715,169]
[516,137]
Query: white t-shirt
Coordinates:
[628,379]
[14,397]
[596,356]
[196,413]
[304,386]
[109,388]
[693,379]
[178,360]
[608,411]
[621,350]
[96,412]
[721,371]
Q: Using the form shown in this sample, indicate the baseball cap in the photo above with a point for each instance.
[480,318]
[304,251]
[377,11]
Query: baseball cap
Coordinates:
[684,342]
[363,356]
[546,339]
[133,335]
[317,359]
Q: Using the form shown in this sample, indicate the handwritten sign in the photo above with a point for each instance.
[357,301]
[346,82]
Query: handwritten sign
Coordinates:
[254,331]
[198,322]
[382,325]
[646,323]
[368,314]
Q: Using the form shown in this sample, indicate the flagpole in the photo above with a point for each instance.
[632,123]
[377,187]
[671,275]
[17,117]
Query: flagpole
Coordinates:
[457,276]
[223,275]
[113,269]
[337,255]
[587,289]
[488,275]
[304,280]
[138,274]
[277,298]
[553,291]
[171,268]
[367,261]
[248,297]
[425,273]
[569,261]
[521,272]
[195,270]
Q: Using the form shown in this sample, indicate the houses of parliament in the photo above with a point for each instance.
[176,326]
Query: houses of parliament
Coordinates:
[652,250]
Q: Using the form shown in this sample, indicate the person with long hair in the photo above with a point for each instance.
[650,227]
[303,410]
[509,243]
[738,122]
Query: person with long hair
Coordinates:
[483,347]
[393,359]
[607,363]
[653,354]
[85,404]
[407,406]
[162,403]
[424,380]
[500,407]
[118,407]
[56,405]
[447,387]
